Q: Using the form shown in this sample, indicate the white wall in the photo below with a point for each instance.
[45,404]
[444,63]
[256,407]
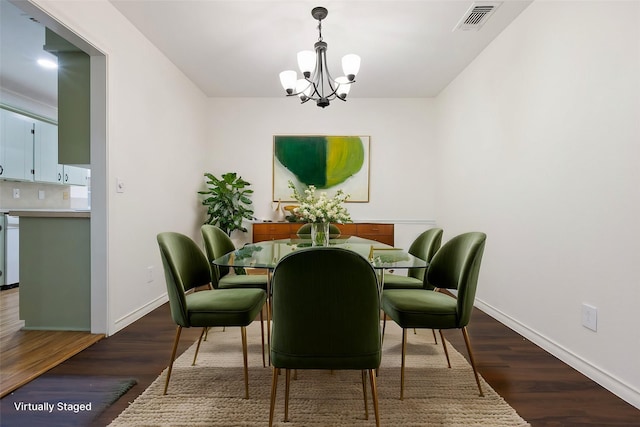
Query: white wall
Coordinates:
[539,143]
[401,153]
[155,139]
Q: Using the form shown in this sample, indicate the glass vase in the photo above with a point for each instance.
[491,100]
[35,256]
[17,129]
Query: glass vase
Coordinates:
[320,234]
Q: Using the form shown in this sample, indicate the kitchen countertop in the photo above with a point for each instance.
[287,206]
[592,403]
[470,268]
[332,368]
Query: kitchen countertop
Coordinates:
[49,213]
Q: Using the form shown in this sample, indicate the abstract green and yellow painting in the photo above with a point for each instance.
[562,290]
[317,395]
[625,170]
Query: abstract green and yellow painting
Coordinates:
[328,162]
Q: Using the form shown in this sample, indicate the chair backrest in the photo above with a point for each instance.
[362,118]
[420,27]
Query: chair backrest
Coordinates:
[425,247]
[216,244]
[306,230]
[326,311]
[185,267]
[456,266]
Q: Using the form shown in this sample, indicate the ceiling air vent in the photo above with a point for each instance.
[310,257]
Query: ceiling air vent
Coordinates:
[477,15]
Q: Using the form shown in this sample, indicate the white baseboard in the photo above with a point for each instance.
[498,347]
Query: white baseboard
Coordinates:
[136,314]
[613,384]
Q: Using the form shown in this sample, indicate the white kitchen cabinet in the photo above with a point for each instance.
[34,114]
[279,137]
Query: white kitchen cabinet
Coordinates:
[47,168]
[45,153]
[16,146]
[74,175]
[29,152]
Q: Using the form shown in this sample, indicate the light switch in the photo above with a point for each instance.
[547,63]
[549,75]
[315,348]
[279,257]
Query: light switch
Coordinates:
[16,193]
[119,185]
[41,194]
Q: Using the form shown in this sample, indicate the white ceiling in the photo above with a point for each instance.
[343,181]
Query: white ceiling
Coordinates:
[21,41]
[237,48]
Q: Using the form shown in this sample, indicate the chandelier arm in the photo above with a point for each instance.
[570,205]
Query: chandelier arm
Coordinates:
[315,94]
[316,76]
[333,84]
[322,67]
[320,74]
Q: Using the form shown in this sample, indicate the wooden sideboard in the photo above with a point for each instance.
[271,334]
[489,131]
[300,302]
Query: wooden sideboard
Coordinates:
[284,230]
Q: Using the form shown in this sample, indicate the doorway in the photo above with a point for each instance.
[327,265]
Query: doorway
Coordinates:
[98,148]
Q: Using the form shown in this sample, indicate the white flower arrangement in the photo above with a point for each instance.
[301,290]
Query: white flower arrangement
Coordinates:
[320,208]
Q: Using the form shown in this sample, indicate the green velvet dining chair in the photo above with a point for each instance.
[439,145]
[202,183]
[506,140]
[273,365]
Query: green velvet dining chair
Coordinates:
[326,316]
[424,247]
[455,266]
[216,244]
[185,269]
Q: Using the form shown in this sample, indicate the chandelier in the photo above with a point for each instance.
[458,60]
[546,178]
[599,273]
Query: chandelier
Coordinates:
[317,83]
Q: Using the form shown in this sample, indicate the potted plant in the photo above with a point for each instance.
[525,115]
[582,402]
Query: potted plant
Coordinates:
[228,202]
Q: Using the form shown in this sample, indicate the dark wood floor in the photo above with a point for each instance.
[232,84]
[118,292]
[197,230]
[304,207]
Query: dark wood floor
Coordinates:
[543,390]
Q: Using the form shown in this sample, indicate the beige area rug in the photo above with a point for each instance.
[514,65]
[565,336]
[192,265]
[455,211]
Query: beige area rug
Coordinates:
[210,393]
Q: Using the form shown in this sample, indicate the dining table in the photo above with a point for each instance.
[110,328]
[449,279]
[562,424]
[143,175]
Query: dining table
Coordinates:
[266,255]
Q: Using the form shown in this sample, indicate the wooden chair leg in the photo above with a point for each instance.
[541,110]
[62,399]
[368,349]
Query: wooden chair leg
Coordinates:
[243,333]
[364,393]
[269,311]
[404,351]
[287,383]
[384,325]
[374,396]
[435,338]
[173,357]
[274,389]
[204,333]
[264,362]
[467,341]
[444,345]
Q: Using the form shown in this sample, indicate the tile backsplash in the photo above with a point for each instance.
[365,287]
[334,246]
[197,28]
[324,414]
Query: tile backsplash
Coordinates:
[54,196]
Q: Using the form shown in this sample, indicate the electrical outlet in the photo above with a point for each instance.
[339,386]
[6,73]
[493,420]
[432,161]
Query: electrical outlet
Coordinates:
[150,274]
[41,194]
[590,317]
[16,193]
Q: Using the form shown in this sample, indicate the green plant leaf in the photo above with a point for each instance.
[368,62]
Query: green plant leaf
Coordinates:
[229,202]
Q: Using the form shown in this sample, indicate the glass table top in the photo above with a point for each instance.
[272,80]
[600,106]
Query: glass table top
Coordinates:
[267,254]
